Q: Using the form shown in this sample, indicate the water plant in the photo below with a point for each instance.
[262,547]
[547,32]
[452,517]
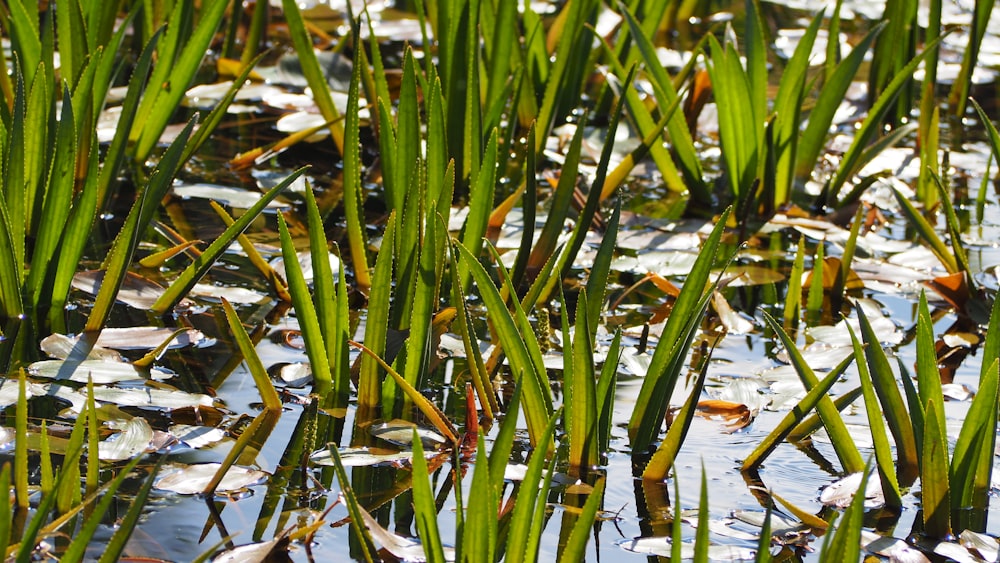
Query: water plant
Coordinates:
[465,298]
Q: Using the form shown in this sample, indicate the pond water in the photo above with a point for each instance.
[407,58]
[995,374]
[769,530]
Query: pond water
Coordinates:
[746,366]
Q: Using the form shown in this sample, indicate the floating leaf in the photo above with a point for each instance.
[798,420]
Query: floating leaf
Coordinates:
[193,479]
[232,197]
[662,546]
[840,493]
[60,346]
[196,437]
[400,433]
[362,457]
[133,440]
[136,291]
[262,552]
[102,373]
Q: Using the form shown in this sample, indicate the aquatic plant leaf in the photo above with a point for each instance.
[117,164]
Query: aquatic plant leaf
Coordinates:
[663,546]
[268,395]
[660,464]
[176,66]
[60,346]
[537,402]
[680,136]
[203,263]
[524,530]
[193,479]
[429,409]
[424,508]
[261,552]
[400,432]
[123,531]
[972,458]
[852,160]
[840,493]
[880,440]
[133,439]
[833,91]
[981,15]
[350,148]
[780,431]
[935,490]
[576,546]
[101,372]
[479,529]
[674,343]
[847,452]
[893,408]
[196,437]
[844,544]
[357,512]
[360,457]
[581,393]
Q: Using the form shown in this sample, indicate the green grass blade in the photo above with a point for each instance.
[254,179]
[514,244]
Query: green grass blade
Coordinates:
[681,325]
[353,507]
[561,200]
[893,406]
[352,182]
[928,374]
[991,131]
[77,548]
[928,233]
[479,531]
[115,156]
[203,263]
[305,312]
[821,116]
[788,111]
[268,395]
[780,432]
[581,394]
[477,368]
[127,240]
[658,468]
[530,495]
[369,378]
[841,439]
[6,508]
[935,494]
[428,408]
[576,547]
[701,541]
[970,57]
[872,124]
[21,492]
[311,70]
[597,279]
[606,385]
[740,136]
[424,509]
[793,298]
[883,449]
[537,402]
[666,95]
[968,483]
[844,544]
[157,109]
